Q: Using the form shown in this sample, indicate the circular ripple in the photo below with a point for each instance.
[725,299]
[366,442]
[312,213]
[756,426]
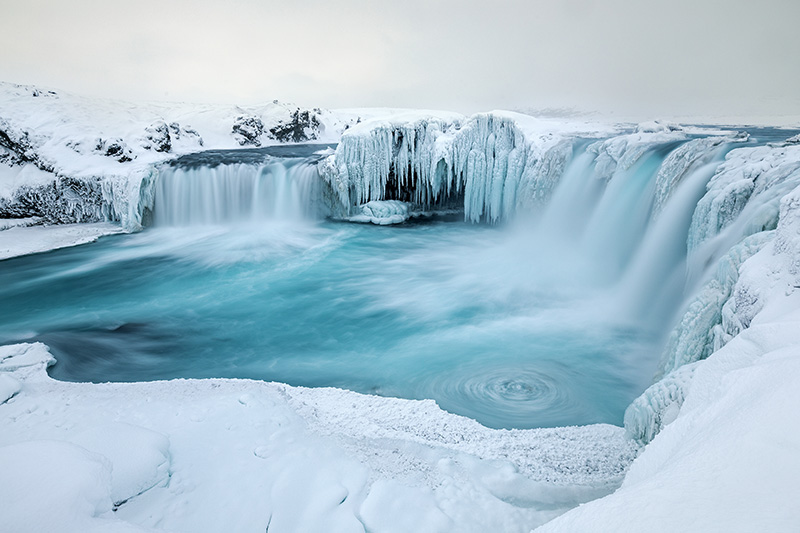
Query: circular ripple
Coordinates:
[507,396]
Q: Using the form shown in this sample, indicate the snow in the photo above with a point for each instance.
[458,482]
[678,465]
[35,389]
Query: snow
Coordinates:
[14,177]
[686,158]
[20,240]
[623,151]
[752,179]
[56,486]
[211,455]
[8,387]
[728,462]
[693,337]
[382,213]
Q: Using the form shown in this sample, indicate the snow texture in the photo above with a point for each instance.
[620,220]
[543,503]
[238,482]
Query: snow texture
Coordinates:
[623,151]
[686,158]
[240,455]
[25,240]
[693,337]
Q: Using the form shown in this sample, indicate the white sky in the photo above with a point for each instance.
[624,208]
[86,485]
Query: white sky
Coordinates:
[647,58]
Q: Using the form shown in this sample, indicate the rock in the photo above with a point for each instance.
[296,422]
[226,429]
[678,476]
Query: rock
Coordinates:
[303,126]
[115,148]
[188,131]
[248,130]
[158,136]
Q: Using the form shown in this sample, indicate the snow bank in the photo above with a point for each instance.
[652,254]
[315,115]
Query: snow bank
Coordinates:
[240,455]
[742,200]
[21,240]
[728,462]
[56,486]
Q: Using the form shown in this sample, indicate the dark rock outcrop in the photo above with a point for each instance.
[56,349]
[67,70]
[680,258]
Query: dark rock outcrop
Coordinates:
[158,136]
[115,149]
[302,126]
[248,130]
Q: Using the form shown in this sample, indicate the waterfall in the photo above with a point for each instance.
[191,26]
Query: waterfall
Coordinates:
[282,189]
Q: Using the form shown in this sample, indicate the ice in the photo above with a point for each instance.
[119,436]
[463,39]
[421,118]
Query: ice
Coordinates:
[490,164]
[686,158]
[383,212]
[707,469]
[747,187]
[716,427]
[623,151]
[218,454]
[25,240]
[693,337]
[210,455]
[70,159]
[761,268]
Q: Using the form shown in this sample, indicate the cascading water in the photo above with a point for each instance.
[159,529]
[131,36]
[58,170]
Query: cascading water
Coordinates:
[550,320]
[236,193]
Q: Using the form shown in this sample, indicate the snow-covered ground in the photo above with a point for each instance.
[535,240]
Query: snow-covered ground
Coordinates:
[716,443]
[239,455]
[25,240]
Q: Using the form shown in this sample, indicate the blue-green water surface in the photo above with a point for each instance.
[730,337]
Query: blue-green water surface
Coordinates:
[465,315]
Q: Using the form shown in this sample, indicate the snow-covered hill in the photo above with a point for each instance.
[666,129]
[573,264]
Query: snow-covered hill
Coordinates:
[64,158]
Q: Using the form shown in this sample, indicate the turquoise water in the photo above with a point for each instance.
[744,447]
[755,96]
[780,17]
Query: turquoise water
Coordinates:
[467,315]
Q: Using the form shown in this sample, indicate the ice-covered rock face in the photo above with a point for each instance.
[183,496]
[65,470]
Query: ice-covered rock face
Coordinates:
[755,189]
[681,161]
[754,179]
[486,163]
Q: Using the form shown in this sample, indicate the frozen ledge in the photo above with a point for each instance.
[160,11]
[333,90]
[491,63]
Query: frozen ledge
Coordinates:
[25,240]
[242,455]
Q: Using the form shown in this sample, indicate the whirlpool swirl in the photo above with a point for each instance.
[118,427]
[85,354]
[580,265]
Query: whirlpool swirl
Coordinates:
[508,395]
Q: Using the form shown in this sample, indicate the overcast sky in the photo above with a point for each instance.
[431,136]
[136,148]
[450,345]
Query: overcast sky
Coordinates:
[645,58]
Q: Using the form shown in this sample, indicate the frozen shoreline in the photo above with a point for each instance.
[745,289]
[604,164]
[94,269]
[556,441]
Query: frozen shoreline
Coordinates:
[18,241]
[208,455]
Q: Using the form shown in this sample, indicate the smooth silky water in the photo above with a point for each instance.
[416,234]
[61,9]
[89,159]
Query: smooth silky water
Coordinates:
[515,326]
